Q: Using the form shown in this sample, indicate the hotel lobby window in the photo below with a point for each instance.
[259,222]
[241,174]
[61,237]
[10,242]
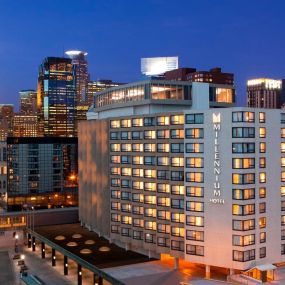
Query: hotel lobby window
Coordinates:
[162,92]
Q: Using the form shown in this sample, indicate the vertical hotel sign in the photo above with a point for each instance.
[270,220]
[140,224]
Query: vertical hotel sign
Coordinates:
[216,199]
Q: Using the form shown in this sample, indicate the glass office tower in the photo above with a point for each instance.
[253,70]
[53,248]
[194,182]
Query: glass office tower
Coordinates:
[57,97]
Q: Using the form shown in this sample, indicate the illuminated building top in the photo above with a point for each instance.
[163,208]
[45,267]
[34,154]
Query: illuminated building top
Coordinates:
[153,66]
[269,83]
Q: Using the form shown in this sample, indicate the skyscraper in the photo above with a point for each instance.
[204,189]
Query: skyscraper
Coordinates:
[57,97]
[6,120]
[264,93]
[81,73]
[28,102]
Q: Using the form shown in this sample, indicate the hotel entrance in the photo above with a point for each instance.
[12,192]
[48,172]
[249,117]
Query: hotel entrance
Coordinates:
[264,273]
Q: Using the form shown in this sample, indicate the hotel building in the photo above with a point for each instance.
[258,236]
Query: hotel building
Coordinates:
[6,120]
[28,102]
[25,125]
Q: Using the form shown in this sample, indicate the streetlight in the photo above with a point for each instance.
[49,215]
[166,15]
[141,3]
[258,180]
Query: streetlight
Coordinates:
[22,256]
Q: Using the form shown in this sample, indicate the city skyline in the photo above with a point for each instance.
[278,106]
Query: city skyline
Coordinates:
[244,43]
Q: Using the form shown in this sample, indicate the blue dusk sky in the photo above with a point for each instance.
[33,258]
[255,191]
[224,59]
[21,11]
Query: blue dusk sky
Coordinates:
[245,37]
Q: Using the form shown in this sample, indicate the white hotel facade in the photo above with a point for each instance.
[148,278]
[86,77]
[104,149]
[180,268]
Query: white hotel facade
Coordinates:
[184,173]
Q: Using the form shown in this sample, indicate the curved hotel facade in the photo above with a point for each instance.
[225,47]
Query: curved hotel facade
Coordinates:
[172,167]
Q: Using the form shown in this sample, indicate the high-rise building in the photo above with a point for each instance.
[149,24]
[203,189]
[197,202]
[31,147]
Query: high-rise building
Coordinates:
[28,102]
[97,86]
[265,93]
[3,169]
[25,125]
[162,171]
[57,97]
[42,172]
[81,73]
[6,120]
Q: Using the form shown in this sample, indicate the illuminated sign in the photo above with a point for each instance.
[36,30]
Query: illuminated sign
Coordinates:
[152,66]
[217,161]
[269,83]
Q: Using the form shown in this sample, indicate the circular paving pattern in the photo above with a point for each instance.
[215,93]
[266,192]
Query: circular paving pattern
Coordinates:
[77,236]
[90,241]
[104,248]
[59,238]
[72,243]
[85,251]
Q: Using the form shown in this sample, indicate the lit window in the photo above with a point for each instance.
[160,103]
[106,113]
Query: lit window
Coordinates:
[194,206]
[262,222]
[163,121]
[194,133]
[163,160]
[177,189]
[261,117]
[126,147]
[125,123]
[177,161]
[177,119]
[194,162]
[115,147]
[283,133]
[195,221]
[262,177]
[115,124]
[195,177]
[149,134]
[178,232]
[137,122]
[262,192]
[163,188]
[262,132]
[194,147]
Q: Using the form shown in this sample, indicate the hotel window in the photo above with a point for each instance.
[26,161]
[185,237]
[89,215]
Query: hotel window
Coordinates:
[136,135]
[163,188]
[149,173]
[282,161]
[177,204]
[149,160]
[138,210]
[177,175]
[164,242]
[149,238]
[194,147]
[243,117]
[194,118]
[194,162]
[262,162]
[243,147]
[282,118]
[177,161]
[262,192]
[243,132]
[262,237]
[262,132]
[282,190]
[163,174]
[177,218]
[126,147]
[164,202]
[261,117]
[149,147]
[244,225]
[137,160]
[150,186]
[139,198]
[177,119]
[163,215]
[126,232]
[125,135]
[283,133]
[243,240]
[137,185]
[115,170]
[126,171]
[195,221]
[115,229]
[150,200]
[162,147]
[243,163]
[115,124]
[197,177]
[262,147]
[115,194]
[115,206]
[137,147]
[195,206]
[243,256]
[262,252]
[194,133]
[115,217]
[164,229]
[115,182]
[127,220]
[282,249]
[192,191]
[148,212]
[195,249]
[177,147]
[115,147]
[125,183]
[177,232]
[126,208]
[149,121]
[163,160]
[149,225]
[126,159]
[243,210]
[195,235]
[262,207]
[137,122]
[177,134]
[126,123]
[138,235]
[262,177]
[162,134]
[243,194]
[163,121]
[177,189]
[114,136]
[126,196]
[115,159]
[282,205]
[283,147]
[246,178]
[283,176]
[282,234]
[177,245]
[149,134]
[262,222]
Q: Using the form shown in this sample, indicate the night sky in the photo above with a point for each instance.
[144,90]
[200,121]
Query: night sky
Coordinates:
[245,37]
